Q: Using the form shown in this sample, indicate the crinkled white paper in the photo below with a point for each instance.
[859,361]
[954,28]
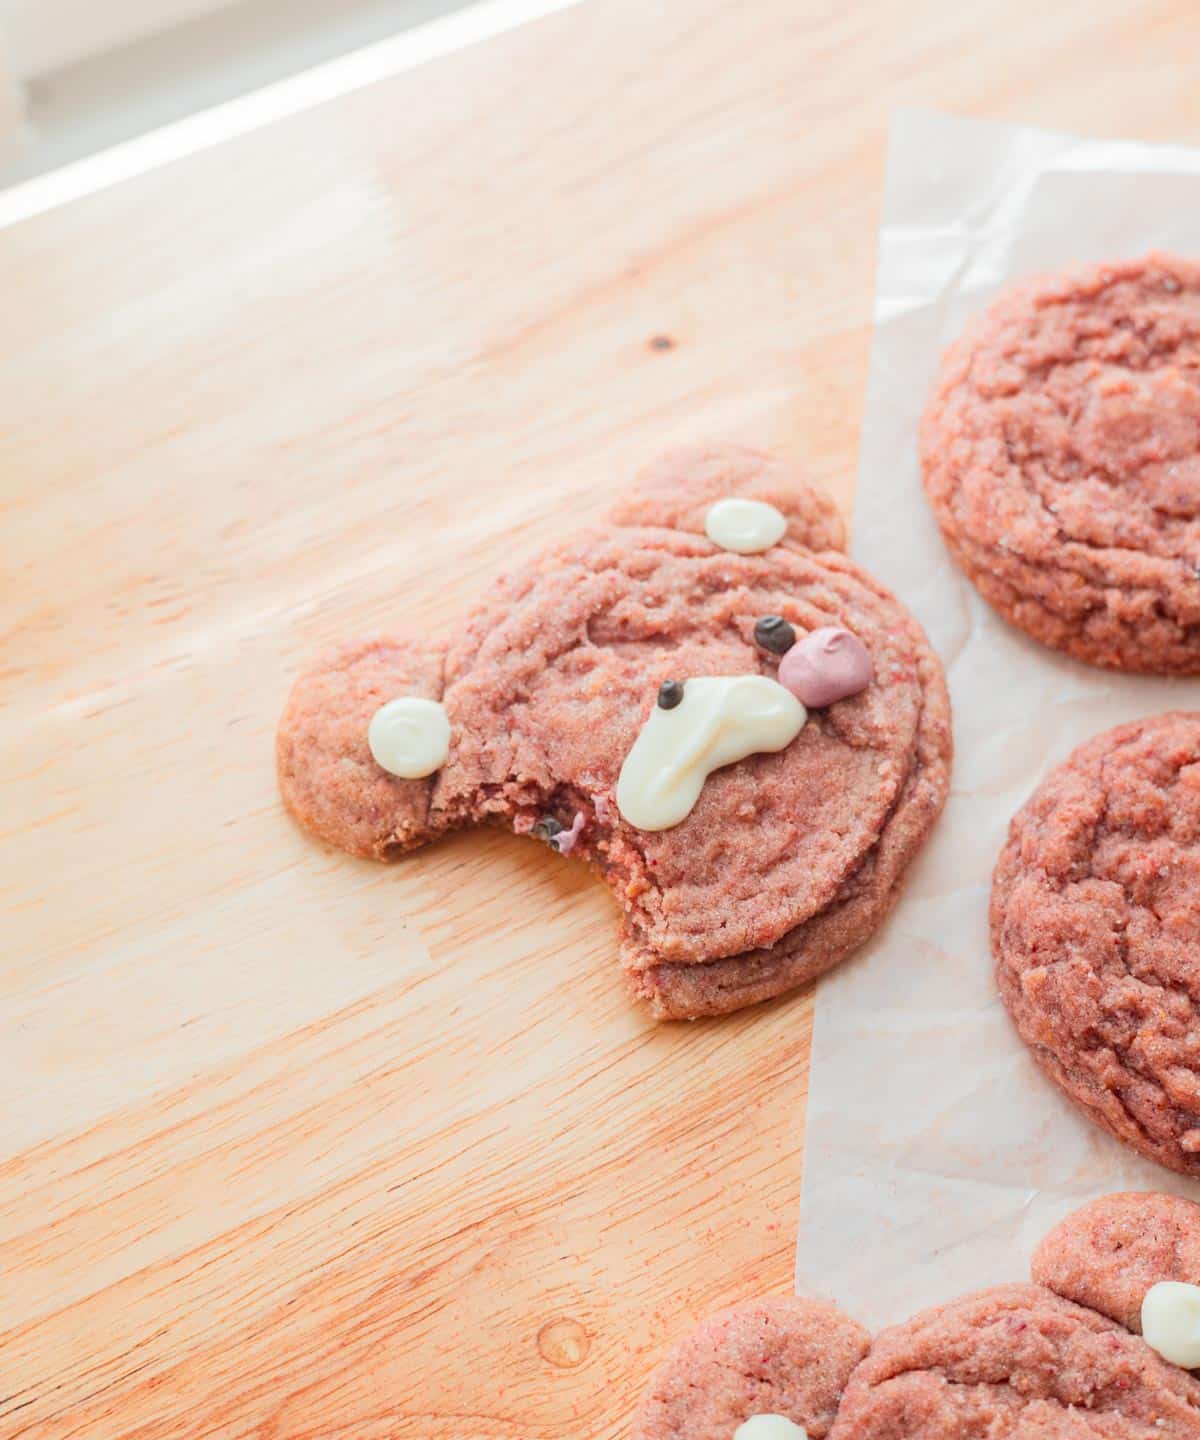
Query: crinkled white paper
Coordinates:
[936,1154]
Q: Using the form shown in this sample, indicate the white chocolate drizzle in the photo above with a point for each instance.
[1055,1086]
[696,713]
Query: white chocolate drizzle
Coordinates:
[1171,1322]
[721,718]
[410,737]
[744,526]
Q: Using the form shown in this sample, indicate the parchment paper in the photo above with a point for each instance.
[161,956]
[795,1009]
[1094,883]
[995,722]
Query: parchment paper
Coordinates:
[936,1153]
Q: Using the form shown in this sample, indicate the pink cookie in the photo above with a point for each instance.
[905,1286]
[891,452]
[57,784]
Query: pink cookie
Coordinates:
[828,665]
[788,859]
[1015,1363]
[782,1355]
[1108,1254]
[1061,455]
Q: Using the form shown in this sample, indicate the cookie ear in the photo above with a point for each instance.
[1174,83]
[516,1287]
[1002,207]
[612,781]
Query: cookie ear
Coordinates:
[1108,1254]
[676,491]
[782,1356]
[328,776]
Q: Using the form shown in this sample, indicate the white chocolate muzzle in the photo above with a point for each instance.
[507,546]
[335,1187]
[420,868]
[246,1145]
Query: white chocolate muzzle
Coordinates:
[721,718]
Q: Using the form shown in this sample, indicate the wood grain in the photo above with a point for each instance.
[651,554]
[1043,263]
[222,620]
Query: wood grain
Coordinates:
[298,1147]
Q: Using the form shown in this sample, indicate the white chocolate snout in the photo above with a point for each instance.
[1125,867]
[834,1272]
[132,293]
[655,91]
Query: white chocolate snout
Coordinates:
[721,718]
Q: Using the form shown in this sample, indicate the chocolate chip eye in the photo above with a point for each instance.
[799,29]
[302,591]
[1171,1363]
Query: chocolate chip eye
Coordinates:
[670,693]
[774,633]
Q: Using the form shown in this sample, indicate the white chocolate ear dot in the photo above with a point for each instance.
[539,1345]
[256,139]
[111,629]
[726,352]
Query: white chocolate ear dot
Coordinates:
[410,737]
[1171,1322]
[744,526]
[770,1427]
[718,719]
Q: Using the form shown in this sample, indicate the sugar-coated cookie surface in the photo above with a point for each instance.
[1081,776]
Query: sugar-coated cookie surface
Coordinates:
[779,1356]
[786,860]
[1061,454]
[327,774]
[676,491]
[1016,1363]
[1060,1358]
[1095,920]
[1109,1253]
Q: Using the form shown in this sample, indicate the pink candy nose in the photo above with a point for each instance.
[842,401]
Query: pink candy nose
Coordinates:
[826,666]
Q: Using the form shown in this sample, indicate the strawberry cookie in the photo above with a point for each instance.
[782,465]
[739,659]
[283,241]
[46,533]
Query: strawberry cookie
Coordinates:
[1016,1361]
[1114,1252]
[746,737]
[1095,919]
[1098,1349]
[1061,454]
[771,1369]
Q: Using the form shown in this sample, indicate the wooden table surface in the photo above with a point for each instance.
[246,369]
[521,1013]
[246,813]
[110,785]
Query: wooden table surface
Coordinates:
[293,1146]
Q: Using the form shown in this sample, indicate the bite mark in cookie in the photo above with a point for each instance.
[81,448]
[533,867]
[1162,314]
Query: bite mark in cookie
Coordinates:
[788,857]
[1061,454]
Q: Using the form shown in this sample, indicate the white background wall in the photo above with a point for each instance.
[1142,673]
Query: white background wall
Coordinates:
[91,73]
[47,35]
[10,108]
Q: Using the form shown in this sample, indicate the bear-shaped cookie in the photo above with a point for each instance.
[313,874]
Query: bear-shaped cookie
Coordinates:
[620,698]
[1063,1357]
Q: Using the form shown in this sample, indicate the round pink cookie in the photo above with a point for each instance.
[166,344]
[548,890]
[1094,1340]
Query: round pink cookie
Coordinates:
[782,1356]
[1109,1253]
[1016,1363]
[1095,920]
[1061,454]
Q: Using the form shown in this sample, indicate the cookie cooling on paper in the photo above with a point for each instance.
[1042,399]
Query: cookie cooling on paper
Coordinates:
[1061,454]
[744,734]
[1095,920]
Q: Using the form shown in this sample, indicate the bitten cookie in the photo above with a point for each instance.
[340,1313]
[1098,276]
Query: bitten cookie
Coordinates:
[1095,920]
[1016,1361]
[1111,1253]
[1061,454]
[782,1356]
[749,740]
